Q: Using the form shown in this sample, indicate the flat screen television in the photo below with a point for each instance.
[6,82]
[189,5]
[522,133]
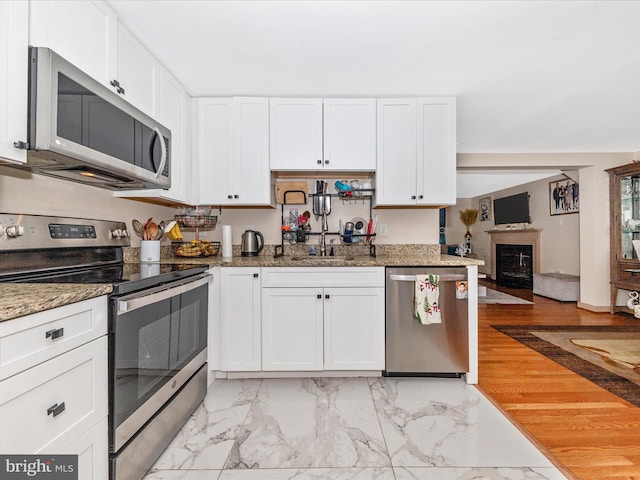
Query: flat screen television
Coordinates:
[512,209]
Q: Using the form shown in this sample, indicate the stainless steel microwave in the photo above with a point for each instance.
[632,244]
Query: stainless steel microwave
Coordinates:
[82,131]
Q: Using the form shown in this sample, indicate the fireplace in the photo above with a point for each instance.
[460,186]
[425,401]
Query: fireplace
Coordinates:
[514,265]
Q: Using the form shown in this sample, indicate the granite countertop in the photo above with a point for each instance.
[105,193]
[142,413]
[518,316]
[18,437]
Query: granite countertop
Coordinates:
[20,299]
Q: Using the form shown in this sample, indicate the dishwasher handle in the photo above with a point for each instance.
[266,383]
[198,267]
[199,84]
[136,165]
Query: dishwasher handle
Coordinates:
[443,278]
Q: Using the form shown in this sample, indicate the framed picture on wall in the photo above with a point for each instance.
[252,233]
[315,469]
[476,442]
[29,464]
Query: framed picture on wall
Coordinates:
[484,209]
[564,197]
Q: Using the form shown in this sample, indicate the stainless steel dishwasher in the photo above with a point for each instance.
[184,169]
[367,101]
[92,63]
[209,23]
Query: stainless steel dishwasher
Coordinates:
[439,349]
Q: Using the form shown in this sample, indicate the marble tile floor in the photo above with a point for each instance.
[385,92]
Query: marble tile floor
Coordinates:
[349,429]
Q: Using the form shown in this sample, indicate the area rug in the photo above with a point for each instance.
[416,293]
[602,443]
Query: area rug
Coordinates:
[493,296]
[608,356]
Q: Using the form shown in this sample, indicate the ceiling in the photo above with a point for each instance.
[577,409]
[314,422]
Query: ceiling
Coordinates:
[529,76]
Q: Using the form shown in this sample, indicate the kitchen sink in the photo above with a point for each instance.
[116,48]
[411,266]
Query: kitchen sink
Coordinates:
[311,258]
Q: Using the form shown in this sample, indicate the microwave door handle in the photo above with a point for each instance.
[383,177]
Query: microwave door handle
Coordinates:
[163,152]
[133,302]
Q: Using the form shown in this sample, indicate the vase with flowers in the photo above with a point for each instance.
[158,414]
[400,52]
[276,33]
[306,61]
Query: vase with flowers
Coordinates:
[468,217]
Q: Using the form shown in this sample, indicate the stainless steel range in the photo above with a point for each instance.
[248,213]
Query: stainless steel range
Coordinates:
[157,325]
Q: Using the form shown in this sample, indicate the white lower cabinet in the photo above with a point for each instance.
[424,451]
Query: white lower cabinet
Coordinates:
[354,328]
[53,397]
[240,323]
[323,323]
[292,323]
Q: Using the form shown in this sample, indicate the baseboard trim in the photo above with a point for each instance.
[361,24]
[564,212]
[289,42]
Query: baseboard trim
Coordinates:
[594,308]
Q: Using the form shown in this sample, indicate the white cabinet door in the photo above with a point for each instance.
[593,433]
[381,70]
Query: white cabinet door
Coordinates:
[350,134]
[84,33]
[250,181]
[233,151]
[136,72]
[354,329]
[396,169]
[436,159]
[213,331]
[416,152]
[93,452]
[296,133]
[55,402]
[14,39]
[213,137]
[240,327]
[292,329]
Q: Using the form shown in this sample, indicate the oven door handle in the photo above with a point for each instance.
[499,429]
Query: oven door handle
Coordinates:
[133,302]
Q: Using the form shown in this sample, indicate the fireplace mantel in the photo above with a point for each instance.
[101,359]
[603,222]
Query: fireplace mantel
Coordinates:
[525,236]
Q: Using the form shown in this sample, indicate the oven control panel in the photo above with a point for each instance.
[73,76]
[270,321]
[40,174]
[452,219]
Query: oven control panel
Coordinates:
[19,232]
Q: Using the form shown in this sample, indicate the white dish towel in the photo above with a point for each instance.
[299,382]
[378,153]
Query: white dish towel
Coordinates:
[427,299]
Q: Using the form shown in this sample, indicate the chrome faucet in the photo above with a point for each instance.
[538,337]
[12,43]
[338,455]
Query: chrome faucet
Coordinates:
[323,242]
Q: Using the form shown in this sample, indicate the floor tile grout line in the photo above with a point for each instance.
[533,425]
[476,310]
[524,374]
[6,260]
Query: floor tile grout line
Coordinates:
[384,438]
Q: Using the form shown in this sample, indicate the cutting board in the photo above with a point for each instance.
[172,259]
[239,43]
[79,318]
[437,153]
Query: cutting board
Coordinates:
[295,198]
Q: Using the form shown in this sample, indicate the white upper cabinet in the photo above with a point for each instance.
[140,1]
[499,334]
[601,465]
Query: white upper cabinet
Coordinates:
[84,33]
[296,133]
[416,152]
[436,172]
[14,39]
[337,134]
[350,134]
[233,151]
[137,71]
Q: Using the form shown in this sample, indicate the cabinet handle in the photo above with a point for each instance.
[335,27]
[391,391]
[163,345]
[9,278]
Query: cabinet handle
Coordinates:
[56,409]
[229,197]
[115,83]
[413,197]
[326,296]
[255,275]
[236,196]
[319,162]
[55,333]
[326,162]
[319,296]
[420,197]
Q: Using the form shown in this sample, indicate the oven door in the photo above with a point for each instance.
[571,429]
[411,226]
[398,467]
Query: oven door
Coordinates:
[157,341]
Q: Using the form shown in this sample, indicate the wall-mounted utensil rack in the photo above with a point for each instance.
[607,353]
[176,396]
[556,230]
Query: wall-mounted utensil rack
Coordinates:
[363,195]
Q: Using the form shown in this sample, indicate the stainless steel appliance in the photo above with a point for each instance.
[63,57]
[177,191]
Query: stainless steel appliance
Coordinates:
[80,130]
[157,326]
[252,243]
[413,349]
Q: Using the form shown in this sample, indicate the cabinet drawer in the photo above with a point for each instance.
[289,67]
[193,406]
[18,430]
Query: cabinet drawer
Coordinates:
[77,379]
[323,277]
[33,339]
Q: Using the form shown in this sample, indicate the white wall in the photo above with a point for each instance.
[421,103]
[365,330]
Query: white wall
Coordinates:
[404,225]
[24,192]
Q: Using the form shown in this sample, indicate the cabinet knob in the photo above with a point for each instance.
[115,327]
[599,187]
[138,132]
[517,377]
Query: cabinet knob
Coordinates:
[326,162]
[229,197]
[413,197]
[236,196]
[420,197]
[255,275]
[326,296]
[319,162]
[56,409]
[319,296]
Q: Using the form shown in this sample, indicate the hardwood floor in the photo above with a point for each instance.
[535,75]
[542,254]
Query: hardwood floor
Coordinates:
[589,433]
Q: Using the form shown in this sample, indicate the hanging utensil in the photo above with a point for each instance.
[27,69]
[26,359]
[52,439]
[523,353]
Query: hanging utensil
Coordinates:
[138,227]
[152,231]
[161,230]
[326,203]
